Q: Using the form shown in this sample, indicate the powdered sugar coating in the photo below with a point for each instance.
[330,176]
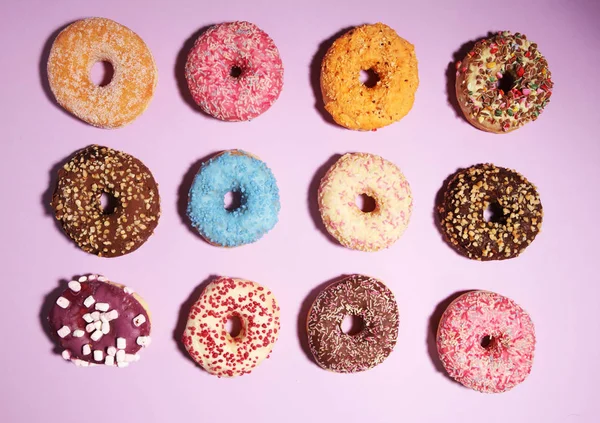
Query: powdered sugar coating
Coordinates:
[208,342]
[507,358]
[82,44]
[362,173]
[210,62]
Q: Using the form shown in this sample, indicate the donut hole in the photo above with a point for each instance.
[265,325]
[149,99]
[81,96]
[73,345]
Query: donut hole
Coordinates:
[507,82]
[351,324]
[487,342]
[235,71]
[232,200]
[233,326]
[494,213]
[365,203]
[108,203]
[369,78]
[102,73]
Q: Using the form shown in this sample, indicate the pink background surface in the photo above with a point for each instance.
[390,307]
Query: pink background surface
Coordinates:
[555,280]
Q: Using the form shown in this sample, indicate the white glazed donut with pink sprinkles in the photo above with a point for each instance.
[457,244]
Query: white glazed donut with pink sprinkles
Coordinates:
[362,173]
[486,342]
[234,71]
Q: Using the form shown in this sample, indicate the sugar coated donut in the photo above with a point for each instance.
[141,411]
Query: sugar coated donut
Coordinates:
[234,71]
[362,173]
[82,44]
[355,295]
[503,83]
[379,49]
[83,180]
[516,212]
[486,342]
[212,346]
[99,322]
[239,172]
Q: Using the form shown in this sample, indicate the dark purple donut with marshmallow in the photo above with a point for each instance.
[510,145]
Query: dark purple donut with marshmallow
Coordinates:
[99,322]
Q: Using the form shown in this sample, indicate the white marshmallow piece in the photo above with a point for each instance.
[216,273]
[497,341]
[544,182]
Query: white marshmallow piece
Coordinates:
[120,356]
[112,315]
[66,354]
[83,279]
[102,306]
[74,286]
[102,279]
[111,351]
[139,320]
[88,318]
[86,349]
[81,363]
[89,301]
[130,358]
[64,331]
[95,316]
[121,343]
[143,341]
[62,302]
[105,327]
[109,360]
[96,335]
[92,277]
[98,355]
[78,333]
[98,324]
[90,327]
[122,364]
[103,317]
[128,290]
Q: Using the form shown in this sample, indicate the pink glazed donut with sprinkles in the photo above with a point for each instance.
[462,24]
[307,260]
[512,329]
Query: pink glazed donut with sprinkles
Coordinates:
[486,342]
[234,71]
[356,174]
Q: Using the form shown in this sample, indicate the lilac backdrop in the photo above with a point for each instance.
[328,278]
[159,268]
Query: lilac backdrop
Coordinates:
[555,280]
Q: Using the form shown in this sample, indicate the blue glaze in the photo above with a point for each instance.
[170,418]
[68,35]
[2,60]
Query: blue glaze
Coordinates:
[259,203]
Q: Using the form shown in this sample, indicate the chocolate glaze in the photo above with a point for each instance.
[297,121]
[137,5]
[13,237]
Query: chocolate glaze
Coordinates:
[361,296]
[125,304]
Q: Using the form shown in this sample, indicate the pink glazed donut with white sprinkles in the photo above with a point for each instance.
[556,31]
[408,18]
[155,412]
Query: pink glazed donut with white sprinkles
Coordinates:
[234,71]
[486,342]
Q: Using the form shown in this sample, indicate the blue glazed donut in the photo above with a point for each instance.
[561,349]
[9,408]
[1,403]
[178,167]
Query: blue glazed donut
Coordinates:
[240,172]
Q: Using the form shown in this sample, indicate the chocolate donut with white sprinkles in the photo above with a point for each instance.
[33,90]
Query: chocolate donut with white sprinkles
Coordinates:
[514,203]
[355,295]
[99,322]
[83,180]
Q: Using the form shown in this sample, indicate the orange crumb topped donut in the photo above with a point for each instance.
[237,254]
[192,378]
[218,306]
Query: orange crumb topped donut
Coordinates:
[82,44]
[375,48]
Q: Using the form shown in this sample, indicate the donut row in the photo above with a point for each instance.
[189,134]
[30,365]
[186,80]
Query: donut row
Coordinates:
[96,171]
[485,341]
[234,73]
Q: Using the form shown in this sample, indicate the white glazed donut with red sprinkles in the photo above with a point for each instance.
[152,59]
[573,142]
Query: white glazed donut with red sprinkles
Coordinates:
[234,71]
[486,342]
[210,344]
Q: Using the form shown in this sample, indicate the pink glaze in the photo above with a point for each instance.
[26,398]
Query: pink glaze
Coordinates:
[210,62]
[507,357]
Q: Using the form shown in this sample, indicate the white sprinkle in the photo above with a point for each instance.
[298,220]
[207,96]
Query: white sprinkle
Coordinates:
[88,317]
[83,279]
[102,279]
[112,315]
[98,324]
[105,327]
[89,301]
[144,341]
[86,350]
[78,333]
[109,360]
[64,331]
[128,290]
[102,306]
[74,286]
[98,355]
[139,319]
[120,356]
[90,327]
[62,302]
[121,343]
[130,358]
[123,364]
[95,316]
[111,351]
[96,335]
[66,354]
